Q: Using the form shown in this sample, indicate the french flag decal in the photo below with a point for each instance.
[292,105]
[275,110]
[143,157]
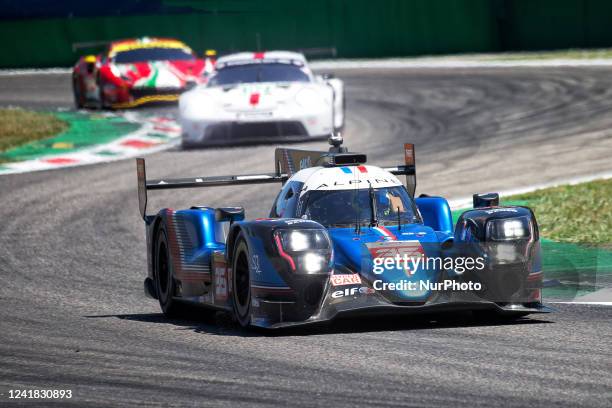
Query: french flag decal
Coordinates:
[386,234]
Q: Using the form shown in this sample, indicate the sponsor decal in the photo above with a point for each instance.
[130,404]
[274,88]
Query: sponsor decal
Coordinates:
[346,279]
[387,252]
[354,291]
[255,264]
[220,283]
[298,221]
[496,210]
[305,163]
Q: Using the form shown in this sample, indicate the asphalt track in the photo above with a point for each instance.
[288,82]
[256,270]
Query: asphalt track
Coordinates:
[72,260]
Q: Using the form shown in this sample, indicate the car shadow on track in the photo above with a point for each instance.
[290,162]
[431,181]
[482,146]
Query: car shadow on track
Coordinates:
[222,324]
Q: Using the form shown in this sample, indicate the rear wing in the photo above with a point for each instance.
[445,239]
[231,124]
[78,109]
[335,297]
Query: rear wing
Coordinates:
[290,161]
[318,52]
[191,182]
[287,163]
[89,44]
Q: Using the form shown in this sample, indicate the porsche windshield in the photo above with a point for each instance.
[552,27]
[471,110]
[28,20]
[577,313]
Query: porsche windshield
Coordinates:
[153,54]
[259,72]
[348,207]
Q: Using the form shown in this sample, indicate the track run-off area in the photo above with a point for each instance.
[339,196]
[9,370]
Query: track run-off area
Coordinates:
[72,260]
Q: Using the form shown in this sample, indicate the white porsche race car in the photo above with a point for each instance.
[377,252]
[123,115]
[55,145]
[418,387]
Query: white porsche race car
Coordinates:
[261,97]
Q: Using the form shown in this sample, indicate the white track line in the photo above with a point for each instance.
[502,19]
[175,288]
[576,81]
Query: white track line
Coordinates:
[584,303]
[432,63]
[120,147]
[35,71]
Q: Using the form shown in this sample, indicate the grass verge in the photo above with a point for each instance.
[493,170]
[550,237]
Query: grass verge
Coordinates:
[579,214]
[574,54]
[18,126]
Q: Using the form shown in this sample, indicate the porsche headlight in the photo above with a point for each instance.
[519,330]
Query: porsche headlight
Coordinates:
[508,229]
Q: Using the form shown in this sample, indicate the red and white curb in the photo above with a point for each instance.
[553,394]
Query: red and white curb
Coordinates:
[155,134]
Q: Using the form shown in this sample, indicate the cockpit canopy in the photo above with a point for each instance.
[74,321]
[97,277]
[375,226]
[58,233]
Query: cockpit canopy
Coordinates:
[344,207]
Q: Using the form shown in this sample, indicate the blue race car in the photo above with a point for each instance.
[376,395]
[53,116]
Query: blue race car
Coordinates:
[343,238]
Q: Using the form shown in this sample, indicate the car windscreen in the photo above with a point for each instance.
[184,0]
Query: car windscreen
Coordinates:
[259,72]
[348,207]
[152,54]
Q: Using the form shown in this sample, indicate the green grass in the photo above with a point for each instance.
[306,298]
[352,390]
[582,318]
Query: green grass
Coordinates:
[18,126]
[559,54]
[579,214]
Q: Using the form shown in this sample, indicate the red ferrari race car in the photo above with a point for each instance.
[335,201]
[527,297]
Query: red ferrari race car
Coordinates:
[133,72]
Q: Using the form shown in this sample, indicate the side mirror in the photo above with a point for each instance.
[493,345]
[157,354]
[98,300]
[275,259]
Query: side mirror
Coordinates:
[189,85]
[327,76]
[230,214]
[485,200]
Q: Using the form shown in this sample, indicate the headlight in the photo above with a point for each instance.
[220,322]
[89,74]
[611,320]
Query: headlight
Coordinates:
[307,98]
[115,70]
[313,262]
[121,73]
[305,250]
[301,240]
[508,229]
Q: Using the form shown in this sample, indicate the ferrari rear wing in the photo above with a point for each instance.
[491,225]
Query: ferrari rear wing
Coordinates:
[89,44]
[287,163]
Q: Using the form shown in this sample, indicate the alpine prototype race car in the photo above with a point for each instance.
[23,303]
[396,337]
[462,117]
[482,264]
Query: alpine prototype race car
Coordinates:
[261,96]
[138,71]
[333,246]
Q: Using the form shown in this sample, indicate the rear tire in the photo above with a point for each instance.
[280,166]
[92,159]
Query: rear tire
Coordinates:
[76,91]
[164,275]
[241,282]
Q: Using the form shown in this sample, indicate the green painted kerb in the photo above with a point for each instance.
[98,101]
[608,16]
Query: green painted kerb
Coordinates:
[85,130]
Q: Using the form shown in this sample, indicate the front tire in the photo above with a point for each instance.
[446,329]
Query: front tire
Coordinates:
[164,275]
[101,99]
[241,282]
